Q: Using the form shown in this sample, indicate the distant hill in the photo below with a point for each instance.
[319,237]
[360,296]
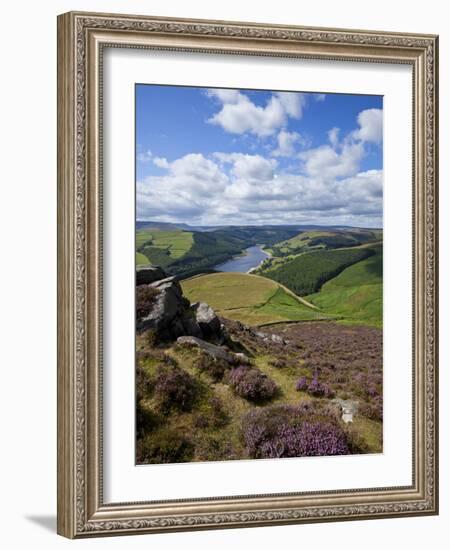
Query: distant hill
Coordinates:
[162,226]
[325,238]
[150,224]
[185,251]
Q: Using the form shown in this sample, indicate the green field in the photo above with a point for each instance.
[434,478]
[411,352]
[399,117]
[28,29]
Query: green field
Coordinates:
[356,294]
[326,239]
[250,299]
[299,243]
[141,259]
[163,247]
[331,267]
[186,253]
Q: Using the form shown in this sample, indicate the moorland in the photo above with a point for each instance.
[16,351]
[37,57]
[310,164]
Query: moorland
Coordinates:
[282,359]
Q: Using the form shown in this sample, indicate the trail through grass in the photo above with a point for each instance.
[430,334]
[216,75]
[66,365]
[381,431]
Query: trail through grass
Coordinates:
[248,298]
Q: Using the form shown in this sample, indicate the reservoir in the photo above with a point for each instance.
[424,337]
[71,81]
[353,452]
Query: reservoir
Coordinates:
[251,258]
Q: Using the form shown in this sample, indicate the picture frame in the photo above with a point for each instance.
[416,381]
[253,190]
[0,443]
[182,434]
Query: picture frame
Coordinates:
[82,41]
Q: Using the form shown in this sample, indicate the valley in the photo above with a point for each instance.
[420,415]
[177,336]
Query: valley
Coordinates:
[338,270]
[258,342]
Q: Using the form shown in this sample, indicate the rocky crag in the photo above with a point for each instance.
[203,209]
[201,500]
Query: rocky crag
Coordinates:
[162,308]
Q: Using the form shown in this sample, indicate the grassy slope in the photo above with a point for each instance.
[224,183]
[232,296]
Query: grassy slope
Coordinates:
[141,259]
[316,240]
[186,253]
[307,272]
[301,241]
[176,243]
[248,298]
[356,294]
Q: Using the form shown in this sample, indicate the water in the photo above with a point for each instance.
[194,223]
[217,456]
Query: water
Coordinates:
[252,258]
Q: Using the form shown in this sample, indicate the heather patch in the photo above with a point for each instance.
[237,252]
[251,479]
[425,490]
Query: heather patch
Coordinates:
[251,383]
[285,402]
[174,388]
[284,431]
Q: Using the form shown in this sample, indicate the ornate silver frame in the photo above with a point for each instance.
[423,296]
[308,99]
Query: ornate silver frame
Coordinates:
[81,38]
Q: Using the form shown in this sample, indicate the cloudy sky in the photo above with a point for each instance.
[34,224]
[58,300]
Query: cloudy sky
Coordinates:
[226,157]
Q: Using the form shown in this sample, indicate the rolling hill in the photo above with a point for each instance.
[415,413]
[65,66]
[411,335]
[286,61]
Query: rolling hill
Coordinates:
[356,294]
[185,253]
[306,273]
[250,299]
[326,238]
[337,269]
[192,406]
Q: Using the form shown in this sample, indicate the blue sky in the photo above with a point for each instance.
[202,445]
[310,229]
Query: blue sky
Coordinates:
[214,156]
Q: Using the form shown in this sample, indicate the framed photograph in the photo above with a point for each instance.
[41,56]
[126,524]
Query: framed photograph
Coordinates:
[247,286]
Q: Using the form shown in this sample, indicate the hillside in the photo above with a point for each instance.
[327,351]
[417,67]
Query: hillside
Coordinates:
[250,299]
[327,238]
[266,235]
[306,273]
[209,388]
[331,266]
[186,253]
[357,293]
[163,247]
[161,226]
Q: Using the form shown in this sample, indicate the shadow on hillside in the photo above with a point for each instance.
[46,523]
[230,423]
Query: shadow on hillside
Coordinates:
[375,265]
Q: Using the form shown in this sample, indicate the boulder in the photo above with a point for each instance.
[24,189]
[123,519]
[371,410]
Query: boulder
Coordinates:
[224,337]
[277,339]
[191,327]
[269,338]
[348,408]
[170,314]
[207,320]
[146,274]
[216,352]
[168,284]
[166,307]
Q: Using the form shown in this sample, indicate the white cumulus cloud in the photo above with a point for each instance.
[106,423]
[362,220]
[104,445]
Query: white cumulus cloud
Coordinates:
[328,186]
[327,162]
[252,167]
[161,162]
[224,95]
[234,188]
[370,126]
[286,141]
[333,136]
[292,102]
[239,115]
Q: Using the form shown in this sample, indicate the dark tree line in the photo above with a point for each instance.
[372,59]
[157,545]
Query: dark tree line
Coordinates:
[307,273]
